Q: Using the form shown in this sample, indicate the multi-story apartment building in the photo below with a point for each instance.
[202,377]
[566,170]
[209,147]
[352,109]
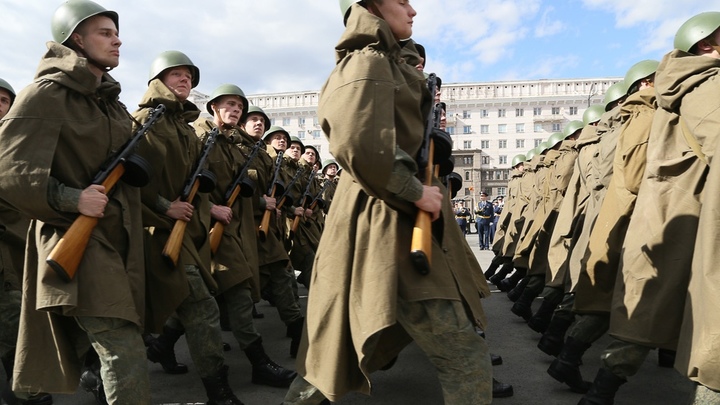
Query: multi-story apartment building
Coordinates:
[489,123]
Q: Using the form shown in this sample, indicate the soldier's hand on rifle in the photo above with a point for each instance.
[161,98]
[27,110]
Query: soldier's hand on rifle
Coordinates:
[92,201]
[431,201]
[269,202]
[299,211]
[221,213]
[308,213]
[180,210]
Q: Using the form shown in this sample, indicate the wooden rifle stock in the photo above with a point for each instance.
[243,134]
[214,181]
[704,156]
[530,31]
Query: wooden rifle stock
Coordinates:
[217,230]
[421,243]
[67,254]
[265,223]
[173,246]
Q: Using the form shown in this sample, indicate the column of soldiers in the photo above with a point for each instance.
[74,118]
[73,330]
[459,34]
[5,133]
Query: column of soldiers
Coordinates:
[570,232]
[186,179]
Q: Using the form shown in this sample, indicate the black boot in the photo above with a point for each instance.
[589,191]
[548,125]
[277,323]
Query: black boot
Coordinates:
[162,350]
[90,379]
[218,390]
[603,389]
[494,265]
[264,370]
[666,358]
[506,269]
[566,368]
[502,390]
[495,359]
[540,321]
[517,292]
[294,329]
[523,306]
[510,282]
[551,341]
[256,314]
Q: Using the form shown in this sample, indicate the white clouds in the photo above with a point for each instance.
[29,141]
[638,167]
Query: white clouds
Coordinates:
[548,27]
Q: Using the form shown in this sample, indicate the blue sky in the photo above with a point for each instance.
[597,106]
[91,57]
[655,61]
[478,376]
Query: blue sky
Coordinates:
[287,45]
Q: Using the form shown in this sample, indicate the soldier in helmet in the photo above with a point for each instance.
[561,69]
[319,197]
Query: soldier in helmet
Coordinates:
[7,96]
[182,292]
[51,181]
[235,260]
[359,324]
[276,277]
[330,174]
[648,308]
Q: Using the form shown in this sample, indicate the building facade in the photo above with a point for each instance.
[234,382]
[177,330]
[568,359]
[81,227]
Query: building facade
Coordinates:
[489,123]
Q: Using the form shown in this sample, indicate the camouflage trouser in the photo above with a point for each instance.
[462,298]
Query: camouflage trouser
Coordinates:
[200,316]
[589,327]
[239,306]
[442,330]
[705,396]
[624,358]
[9,321]
[120,347]
[276,277]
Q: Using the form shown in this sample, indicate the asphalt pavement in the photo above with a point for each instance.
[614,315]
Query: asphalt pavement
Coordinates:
[413,380]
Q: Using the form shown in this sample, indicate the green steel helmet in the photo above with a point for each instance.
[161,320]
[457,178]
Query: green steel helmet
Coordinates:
[639,71]
[555,139]
[171,59]
[571,127]
[530,154]
[71,13]
[274,129]
[295,139]
[695,29]
[253,109]
[6,86]
[328,163]
[615,93]
[593,113]
[543,147]
[517,159]
[228,90]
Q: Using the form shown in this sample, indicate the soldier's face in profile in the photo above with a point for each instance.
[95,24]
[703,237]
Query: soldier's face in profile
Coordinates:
[228,109]
[4,102]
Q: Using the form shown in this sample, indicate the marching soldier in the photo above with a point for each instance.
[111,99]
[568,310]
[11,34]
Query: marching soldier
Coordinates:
[182,292]
[368,300]
[74,104]
[235,265]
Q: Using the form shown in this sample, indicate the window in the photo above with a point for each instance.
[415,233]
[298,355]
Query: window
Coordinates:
[484,129]
[502,128]
[467,160]
[556,127]
[484,144]
[519,112]
[286,121]
[519,128]
[498,174]
[466,114]
[450,130]
[467,191]
[519,143]
[556,111]
[316,134]
[467,176]
[301,134]
[572,111]
[486,161]
[467,129]
[272,121]
[501,191]
[502,143]
[467,144]
[538,141]
[316,120]
[538,128]
[502,159]
[505,174]
[537,111]
[501,112]
[301,122]
[483,113]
